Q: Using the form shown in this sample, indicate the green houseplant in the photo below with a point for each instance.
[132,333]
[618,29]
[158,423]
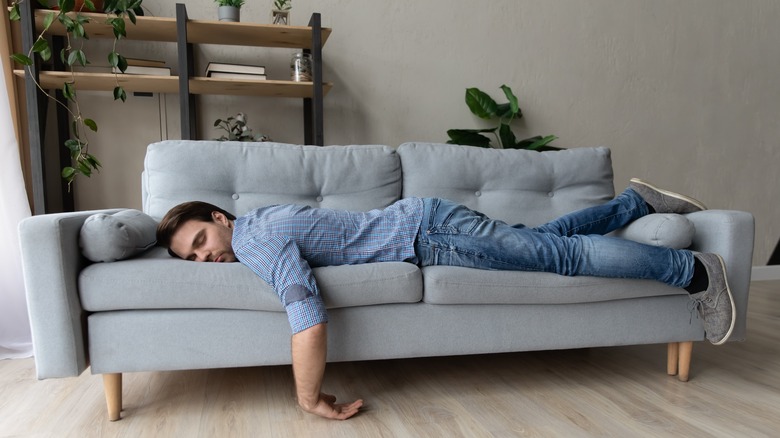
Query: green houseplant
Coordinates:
[83,163]
[485,107]
[237,129]
[281,12]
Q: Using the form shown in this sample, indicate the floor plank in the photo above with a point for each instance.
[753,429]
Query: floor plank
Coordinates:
[734,391]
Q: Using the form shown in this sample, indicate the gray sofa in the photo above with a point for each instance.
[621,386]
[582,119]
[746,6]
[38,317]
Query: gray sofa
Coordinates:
[152,312]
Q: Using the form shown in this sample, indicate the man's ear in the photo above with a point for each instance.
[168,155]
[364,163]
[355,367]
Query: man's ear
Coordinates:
[220,218]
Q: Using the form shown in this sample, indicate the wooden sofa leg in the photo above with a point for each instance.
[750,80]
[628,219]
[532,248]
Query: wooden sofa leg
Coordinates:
[672,358]
[685,360]
[112,386]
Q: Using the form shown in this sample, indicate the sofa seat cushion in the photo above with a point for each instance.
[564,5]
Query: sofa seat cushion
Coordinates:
[157,281]
[456,285]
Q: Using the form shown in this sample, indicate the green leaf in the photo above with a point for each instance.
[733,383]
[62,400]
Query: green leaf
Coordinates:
[49,19]
[77,56]
[91,124]
[507,136]
[122,61]
[68,173]
[90,5]
[119,27]
[73,145]
[14,14]
[94,162]
[21,59]
[84,168]
[542,142]
[469,137]
[40,45]
[113,59]
[68,91]
[513,105]
[480,104]
[66,5]
[119,93]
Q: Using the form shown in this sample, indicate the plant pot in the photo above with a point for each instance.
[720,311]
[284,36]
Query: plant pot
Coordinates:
[229,13]
[280,17]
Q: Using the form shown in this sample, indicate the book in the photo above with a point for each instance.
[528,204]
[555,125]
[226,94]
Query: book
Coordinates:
[138,70]
[234,68]
[242,76]
[145,62]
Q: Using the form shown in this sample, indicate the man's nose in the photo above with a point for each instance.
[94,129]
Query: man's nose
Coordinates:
[202,255]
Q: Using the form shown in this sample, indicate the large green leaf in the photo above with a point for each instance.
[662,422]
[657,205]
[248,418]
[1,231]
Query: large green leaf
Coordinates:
[480,104]
[507,136]
[469,137]
[514,106]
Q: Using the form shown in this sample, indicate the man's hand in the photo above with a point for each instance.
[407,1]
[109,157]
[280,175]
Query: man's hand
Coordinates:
[327,407]
[309,349]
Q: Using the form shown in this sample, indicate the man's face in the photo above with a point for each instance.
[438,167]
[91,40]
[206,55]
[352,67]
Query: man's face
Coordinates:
[205,241]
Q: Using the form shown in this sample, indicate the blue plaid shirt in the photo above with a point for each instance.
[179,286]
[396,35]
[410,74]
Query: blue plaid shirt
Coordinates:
[282,243]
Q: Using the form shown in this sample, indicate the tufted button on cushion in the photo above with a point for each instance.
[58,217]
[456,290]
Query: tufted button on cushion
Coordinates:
[319,198]
[235,196]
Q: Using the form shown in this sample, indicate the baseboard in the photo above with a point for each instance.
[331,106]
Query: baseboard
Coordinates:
[765,273]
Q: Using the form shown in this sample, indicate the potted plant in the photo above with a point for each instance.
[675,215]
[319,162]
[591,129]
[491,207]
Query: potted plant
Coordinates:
[82,162]
[281,12]
[237,129]
[229,10]
[483,106]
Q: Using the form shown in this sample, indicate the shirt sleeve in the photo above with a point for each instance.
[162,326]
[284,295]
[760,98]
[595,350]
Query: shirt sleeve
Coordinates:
[277,260]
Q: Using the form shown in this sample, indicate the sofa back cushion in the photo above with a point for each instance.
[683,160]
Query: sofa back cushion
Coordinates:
[242,176]
[516,186]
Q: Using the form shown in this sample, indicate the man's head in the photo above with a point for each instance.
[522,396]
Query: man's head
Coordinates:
[198,231]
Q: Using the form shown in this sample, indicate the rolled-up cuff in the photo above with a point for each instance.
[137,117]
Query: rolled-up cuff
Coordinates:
[306,313]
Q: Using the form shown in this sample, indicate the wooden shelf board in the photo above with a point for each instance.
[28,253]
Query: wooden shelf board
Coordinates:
[170,84]
[268,88]
[198,31]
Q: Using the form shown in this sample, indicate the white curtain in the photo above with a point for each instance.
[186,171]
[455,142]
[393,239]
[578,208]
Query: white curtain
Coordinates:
[15,339]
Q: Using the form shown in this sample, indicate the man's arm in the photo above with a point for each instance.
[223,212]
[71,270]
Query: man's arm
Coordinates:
[309,350]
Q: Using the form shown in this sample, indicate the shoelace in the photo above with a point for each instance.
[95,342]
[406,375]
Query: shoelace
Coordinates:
[697,306]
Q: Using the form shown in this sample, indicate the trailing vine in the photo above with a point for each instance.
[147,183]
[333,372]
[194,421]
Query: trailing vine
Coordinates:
[82,162]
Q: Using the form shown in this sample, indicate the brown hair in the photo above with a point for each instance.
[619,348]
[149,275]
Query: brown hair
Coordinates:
[182,213]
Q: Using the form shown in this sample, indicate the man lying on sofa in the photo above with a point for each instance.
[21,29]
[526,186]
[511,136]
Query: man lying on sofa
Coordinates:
[282,243]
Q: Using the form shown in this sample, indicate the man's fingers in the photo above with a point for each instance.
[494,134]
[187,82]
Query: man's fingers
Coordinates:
[347,410]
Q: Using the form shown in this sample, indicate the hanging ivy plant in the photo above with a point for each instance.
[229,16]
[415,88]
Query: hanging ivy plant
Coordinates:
[82,162]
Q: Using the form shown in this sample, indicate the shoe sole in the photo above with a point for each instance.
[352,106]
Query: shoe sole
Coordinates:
[695,202]
[731,299]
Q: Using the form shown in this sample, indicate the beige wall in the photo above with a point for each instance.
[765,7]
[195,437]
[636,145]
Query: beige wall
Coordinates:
[685,92]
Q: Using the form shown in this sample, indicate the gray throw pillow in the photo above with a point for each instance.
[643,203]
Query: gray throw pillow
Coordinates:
[669,230]
[112,237]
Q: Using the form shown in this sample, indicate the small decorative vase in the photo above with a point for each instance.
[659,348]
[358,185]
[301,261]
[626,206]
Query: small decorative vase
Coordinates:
[229,13]
[280,17]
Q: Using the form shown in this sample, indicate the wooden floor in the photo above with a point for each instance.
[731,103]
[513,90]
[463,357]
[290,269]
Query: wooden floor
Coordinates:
[734,391]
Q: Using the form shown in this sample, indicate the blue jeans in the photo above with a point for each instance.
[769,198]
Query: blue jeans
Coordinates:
[573,244]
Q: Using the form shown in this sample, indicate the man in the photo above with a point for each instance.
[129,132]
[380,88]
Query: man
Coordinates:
[282,243]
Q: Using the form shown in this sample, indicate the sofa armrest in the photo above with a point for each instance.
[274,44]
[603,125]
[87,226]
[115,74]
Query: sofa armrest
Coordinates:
[730,234]
[51,261]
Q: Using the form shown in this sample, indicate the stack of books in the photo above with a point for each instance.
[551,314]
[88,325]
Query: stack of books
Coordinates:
[245,72]
[137,66]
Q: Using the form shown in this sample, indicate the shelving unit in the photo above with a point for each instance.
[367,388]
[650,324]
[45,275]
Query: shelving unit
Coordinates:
[185,33]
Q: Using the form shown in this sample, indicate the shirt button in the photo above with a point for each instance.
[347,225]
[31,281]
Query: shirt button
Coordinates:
[235,196]
[319,198]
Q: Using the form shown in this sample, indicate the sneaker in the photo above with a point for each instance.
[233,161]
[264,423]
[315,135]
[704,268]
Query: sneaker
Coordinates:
[716,304]
[664,201]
